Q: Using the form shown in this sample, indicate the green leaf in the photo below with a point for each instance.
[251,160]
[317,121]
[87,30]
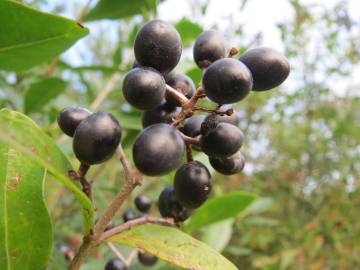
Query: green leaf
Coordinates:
[41,92]
[194,74]
[25,225]
[109,9]
[212,233]
[220,208]
[29,37]
[174,246]
[188,30]
[24,136]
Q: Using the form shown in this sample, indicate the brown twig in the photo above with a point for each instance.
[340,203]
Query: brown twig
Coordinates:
[176,95]
[80,176]
[131,256]
[116,252]
[190,140]
[133,223]
[189,154]
[233,52]
[132,179]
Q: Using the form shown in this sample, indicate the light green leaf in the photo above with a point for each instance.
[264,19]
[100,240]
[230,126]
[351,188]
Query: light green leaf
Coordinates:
[194,74]
[29,37]
[25,225]
[24,136]
[174,246]
[218,235]
[220,208]
[109,9]
[188,30]
[41,92]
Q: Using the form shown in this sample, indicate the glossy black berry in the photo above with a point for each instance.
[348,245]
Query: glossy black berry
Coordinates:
[147,259]
[144,88]
[70,117]
[269,68]
[233,119]
[158,150]
[208,48]
[182,84]
[96,138]
[129,214]
[227,81]
[115,264]
[143,203]
[164,113]
[229,165]
[192,184]
[169,207]
[158,45]
[192,125]
[222,141]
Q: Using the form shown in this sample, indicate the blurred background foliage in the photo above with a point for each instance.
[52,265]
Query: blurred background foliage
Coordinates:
[302,140]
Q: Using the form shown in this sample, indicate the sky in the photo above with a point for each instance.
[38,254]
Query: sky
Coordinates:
[257,16]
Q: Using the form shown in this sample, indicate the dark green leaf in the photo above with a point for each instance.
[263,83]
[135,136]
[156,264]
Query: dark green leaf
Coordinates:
[29,37]
[24,136]
[25,225]
[41,92]
[174,246]
[109,9]
[220,208]
[188,30]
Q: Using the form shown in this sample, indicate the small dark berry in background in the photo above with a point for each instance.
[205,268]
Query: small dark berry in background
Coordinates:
[147,259]
[65,250]
[208,48]
[97,138]
[143,203]
[229,165]
[115,264]
[129,214]
[192,125]
[169,207]
[70,117]
[268,67]
[158,45]
[192,184]
[144,88]
[164,113]
[183,84]
[158,150]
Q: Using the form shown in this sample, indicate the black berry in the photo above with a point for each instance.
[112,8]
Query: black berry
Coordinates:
[222,141]
[182,84]
[164,113]
[169,207]
[158,150]
[147,259]
[233,119]
[192,184]
[115,264]
[96,138]
[192,125]
[158,45]
[229,165]
[269,68]
[144,88]
[208,48]
[70,117]
[129,214]
[143,203]
[227,81]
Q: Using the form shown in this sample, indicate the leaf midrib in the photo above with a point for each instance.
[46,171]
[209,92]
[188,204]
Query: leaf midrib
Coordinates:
[32,43]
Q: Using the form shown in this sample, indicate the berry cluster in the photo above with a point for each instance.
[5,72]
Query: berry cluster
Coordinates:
[172,125]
